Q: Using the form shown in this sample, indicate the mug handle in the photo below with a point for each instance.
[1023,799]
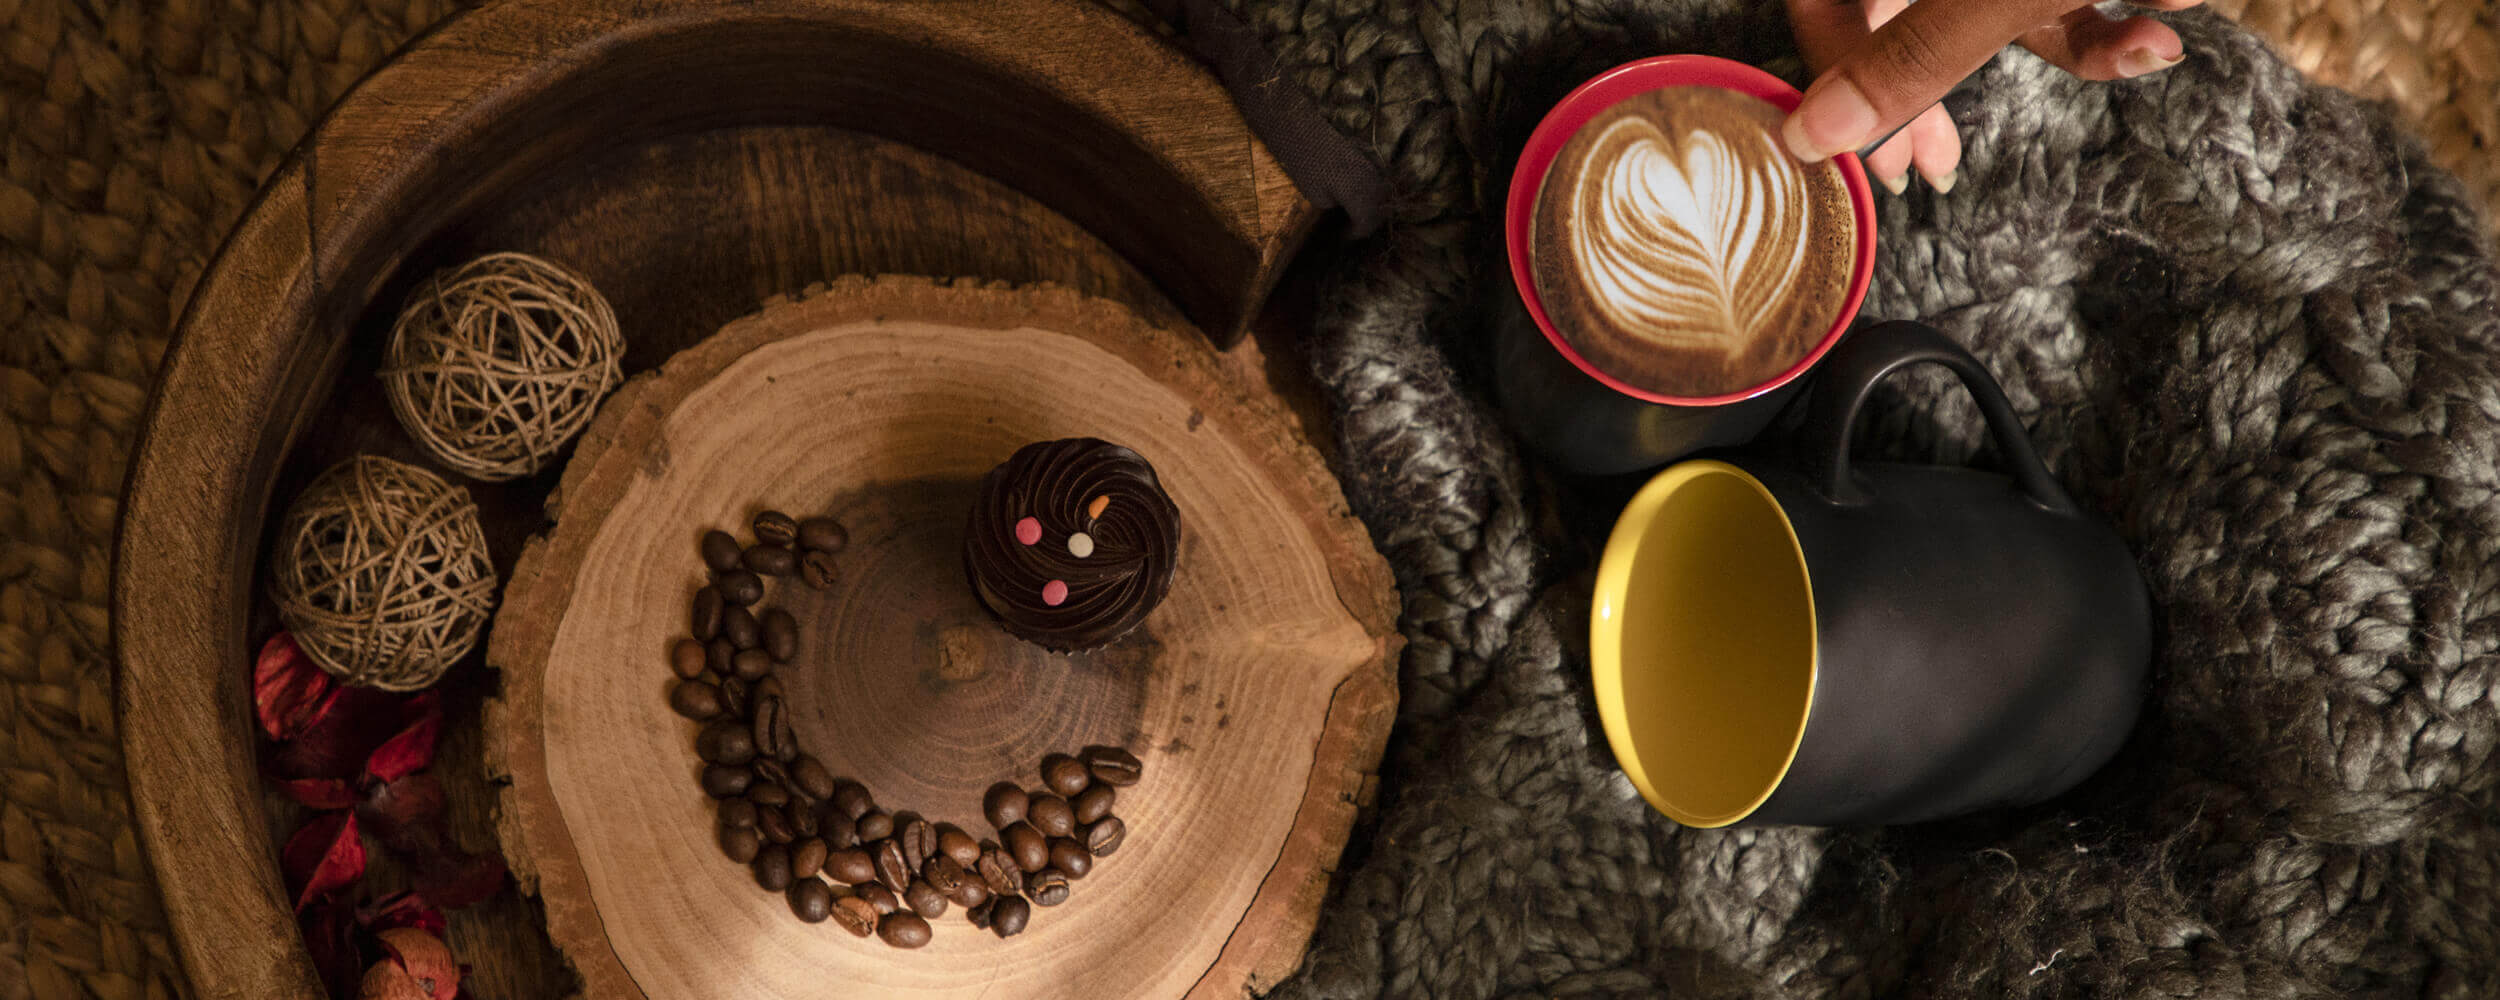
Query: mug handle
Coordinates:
[1849,375]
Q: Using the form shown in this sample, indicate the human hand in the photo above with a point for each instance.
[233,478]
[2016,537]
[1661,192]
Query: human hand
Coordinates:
[1880,62]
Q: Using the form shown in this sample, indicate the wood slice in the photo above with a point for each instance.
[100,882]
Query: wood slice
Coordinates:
[1259,693]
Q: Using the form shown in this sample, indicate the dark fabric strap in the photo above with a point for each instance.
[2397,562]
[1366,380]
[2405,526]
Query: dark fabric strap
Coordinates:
[1326,165]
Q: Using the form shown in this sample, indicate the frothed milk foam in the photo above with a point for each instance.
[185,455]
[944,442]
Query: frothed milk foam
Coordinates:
[1679,248]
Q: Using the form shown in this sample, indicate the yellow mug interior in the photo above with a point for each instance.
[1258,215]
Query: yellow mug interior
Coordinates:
[1702,643]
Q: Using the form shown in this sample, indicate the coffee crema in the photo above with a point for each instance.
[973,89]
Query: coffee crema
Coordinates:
[1679,247]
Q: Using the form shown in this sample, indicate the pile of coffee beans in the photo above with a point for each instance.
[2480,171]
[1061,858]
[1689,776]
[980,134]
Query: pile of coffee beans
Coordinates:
[823,841]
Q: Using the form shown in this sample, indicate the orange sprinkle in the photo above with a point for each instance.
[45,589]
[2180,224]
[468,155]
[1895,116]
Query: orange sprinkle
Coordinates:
[1093,511]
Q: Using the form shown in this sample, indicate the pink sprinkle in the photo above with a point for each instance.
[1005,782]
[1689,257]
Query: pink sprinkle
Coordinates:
[1028,531]
[1055,593]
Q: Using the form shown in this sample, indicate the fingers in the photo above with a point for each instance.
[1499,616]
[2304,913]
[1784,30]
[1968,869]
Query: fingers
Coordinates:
[2096,47]
[1904,67]
[1936,148]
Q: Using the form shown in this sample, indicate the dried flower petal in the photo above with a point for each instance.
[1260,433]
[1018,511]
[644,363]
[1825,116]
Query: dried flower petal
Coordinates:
[338,741]
[388,980]
[402,909]
[323,857]
[331,930]
[425,959]
[320,793]
[406,815]
[288,690]
[412,749]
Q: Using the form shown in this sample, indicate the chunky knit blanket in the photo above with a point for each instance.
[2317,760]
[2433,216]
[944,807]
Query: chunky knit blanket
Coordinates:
[2244,319]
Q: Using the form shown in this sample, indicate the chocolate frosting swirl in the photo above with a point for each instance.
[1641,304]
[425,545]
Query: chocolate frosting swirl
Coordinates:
[1106,582]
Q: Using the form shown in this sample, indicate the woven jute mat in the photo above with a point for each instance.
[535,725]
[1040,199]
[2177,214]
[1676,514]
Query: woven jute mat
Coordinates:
[136,132]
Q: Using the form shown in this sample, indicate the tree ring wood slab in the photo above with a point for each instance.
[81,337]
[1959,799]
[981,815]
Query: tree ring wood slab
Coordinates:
[1259,693]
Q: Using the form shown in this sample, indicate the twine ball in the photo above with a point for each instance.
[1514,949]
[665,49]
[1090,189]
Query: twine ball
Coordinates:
[493,366]
[381,573]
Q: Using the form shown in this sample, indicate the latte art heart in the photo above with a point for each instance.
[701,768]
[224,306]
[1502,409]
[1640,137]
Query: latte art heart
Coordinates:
[1690,244]
[1678,247]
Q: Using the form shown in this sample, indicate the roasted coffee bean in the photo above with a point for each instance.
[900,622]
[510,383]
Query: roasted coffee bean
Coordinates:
[893,868]
[785,740]
[781,634]
[768,687]
[737,814]
[1027,846]
[751,665]
[875,824]
[969,892]
[1112,765]
[998,870]
[1065,775]
[734,697]
[717,654]
[772,868]
[804,819]
[818,571]
[739,625]
[740,843]
[725,742]
[879,896]
[924,899]
[836,828]
[723,781]
[774,825]
[979,914]
[707,612]
[918,836]
[812,778]
[1104,835]
[903,929]
[1070,857]
[1003,804]
[770,560]
[823,534]
[1048,887]
[720,551]
[850,798]
[695,700]
[768,769]
[766,726]
[773,527]
[1092,804]
[811,899]
[769,794]
[955,843]
[807,857]
[1009,915]
[942,871]
[686,658]
[1052,815]
[856,915]
[739,588]
[852,865]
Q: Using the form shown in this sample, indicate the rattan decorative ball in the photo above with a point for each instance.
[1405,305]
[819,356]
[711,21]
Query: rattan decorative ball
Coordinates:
[381,572]
[494,365]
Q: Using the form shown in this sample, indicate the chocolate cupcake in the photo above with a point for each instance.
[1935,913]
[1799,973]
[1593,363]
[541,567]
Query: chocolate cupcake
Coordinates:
[1071,542]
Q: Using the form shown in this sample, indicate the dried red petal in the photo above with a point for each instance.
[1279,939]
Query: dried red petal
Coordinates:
[330,935]
[457,878]
[323,857]
[406,815]
[338,741]
[288,690]
[389,980]
[403,909]
[425,959]
[412,749]
[320,793]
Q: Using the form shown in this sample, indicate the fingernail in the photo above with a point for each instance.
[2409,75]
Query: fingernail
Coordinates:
[1944,184]
[1835,119]
[2137,62]
[1897,183]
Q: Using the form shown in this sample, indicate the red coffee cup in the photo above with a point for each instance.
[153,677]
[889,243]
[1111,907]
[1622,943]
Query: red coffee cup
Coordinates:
[1575,412]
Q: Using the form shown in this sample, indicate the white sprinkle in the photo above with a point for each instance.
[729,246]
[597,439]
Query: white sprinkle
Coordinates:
[1081,545]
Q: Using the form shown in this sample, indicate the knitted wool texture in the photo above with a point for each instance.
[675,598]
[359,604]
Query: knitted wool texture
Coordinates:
[2245,321]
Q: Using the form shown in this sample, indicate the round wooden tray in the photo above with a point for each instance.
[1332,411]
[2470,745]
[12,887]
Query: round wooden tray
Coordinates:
[1257,693]
[692,158]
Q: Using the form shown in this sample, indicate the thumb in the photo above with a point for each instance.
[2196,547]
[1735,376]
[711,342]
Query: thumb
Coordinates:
[1906,66]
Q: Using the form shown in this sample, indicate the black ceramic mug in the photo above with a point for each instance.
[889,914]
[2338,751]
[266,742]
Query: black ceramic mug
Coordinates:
[1794,637]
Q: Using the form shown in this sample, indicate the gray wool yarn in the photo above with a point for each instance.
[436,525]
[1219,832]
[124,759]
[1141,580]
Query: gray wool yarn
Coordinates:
[2244,319]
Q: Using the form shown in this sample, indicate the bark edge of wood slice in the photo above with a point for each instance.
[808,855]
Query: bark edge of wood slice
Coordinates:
[1260,693]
